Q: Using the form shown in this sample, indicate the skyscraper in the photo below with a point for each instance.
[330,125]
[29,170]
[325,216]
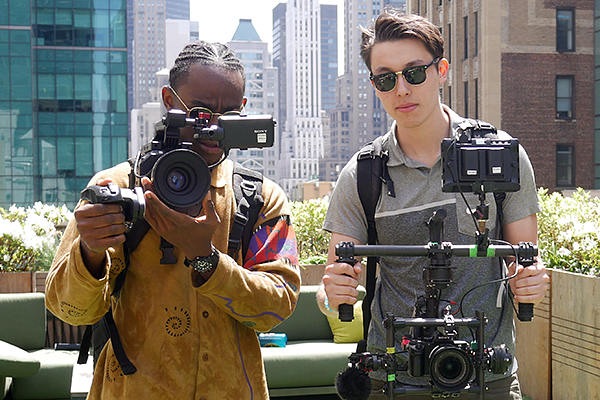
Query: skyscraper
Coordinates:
[329,55]
[146,47]
[63,116]
[302,137]
[358,117]
[261,91]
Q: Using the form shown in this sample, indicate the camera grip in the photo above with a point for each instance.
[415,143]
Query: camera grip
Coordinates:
[525,312]
[346,312]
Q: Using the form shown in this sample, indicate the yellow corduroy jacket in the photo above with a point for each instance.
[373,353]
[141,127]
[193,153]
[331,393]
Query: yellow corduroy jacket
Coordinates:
[186,342]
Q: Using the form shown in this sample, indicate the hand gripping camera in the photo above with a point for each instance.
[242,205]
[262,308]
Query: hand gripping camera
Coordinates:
[180,176]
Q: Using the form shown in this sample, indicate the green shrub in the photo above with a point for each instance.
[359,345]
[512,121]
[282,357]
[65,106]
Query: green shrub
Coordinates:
[28,237]
[312,240]
[568,231]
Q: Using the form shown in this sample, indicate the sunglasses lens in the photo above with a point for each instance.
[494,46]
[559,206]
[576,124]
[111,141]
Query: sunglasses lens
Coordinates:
[415,75]
[385,82]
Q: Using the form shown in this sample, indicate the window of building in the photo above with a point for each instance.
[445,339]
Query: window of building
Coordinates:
[466,36]
[449,56]
[476,34]
[476,99]
[565,165]
[564,97]
[565,30]
[466,100]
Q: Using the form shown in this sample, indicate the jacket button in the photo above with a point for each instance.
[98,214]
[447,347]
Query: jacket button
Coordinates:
[205,357]
[205,314]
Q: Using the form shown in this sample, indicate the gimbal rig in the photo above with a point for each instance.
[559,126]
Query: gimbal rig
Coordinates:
[433,345]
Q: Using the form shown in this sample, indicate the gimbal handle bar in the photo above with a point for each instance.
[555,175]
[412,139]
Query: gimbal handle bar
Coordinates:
[346,251]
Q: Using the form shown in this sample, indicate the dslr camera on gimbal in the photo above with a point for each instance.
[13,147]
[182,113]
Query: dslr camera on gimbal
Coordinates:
[479,161]
[180,176]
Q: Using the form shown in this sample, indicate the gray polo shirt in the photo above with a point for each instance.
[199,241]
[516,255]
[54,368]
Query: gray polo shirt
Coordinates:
[401,220]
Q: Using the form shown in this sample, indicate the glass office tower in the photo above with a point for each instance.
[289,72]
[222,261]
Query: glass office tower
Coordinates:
[63,112]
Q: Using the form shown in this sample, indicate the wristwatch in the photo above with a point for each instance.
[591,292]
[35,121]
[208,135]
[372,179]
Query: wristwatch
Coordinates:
[203,265]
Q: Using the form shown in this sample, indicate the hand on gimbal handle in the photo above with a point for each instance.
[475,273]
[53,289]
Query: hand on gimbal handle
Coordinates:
[525,312]
[346,311]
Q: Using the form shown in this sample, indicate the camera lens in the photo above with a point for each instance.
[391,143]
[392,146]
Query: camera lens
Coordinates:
[450,368]
[177,180]
[181,179]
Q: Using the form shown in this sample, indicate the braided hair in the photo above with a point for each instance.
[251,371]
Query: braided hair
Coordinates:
[204,53]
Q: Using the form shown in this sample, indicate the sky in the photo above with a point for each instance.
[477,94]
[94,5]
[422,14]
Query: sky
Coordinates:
[218,19]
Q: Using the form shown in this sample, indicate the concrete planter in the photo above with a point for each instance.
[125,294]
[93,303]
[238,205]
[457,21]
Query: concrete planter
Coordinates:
[559,351]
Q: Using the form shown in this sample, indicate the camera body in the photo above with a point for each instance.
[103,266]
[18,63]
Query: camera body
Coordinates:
[180,176]
[131,200]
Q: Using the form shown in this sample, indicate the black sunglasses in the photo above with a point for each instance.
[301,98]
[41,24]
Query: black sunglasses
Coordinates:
[414,75]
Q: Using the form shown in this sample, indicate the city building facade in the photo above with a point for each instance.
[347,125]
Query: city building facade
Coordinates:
[64,115]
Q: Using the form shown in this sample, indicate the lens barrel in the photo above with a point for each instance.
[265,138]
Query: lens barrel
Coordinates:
[450,368]
[181,180]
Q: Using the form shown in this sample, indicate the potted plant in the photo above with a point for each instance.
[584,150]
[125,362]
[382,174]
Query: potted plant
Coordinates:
[312,240]
[558,351]
[28,241]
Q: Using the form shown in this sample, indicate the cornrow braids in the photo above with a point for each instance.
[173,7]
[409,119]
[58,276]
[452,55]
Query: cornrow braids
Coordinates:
[204,53]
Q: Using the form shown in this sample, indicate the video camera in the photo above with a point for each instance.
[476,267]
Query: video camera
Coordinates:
[479,162]
[180,176]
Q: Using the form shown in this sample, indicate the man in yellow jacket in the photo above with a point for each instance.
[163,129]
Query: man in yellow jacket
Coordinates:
[190,327]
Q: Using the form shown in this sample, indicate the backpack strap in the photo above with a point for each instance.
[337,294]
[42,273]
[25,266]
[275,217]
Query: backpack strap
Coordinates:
[371,172]
[247,189]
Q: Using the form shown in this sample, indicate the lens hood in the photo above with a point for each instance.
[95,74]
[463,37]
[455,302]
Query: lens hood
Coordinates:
[181,180]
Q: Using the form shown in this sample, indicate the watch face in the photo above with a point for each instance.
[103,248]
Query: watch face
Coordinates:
[204,264]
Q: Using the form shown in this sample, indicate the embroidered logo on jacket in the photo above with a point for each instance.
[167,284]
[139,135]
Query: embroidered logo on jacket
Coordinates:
[178,321]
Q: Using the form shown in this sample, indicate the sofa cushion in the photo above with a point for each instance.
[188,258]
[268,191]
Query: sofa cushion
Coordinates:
[307,322]
[305,363]
[53,381]
[16,362]
[348,332]
[24,320]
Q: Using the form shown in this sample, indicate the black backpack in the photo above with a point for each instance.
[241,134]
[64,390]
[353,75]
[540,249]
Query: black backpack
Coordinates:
[371,173]
[247,189]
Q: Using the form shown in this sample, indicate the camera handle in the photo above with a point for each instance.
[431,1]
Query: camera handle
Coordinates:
[346,311]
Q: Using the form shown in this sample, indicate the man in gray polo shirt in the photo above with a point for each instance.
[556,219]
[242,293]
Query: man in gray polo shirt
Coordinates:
[405,55]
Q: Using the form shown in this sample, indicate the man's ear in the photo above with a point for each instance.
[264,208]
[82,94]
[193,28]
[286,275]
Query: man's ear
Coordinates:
[168,98]
[244,102]
[443,67]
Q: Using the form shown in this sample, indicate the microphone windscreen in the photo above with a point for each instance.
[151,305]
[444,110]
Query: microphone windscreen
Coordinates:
[353,384]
